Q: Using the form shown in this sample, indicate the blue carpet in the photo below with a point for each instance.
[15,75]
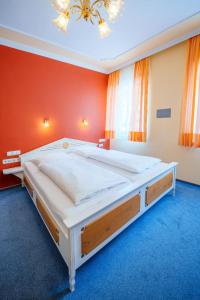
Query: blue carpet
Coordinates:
[157,257]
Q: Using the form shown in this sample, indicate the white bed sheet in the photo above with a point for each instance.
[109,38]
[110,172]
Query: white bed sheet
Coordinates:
[63,207]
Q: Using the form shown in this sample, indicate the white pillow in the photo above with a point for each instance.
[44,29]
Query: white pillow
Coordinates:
[126,161]
[58,155]
[88,151]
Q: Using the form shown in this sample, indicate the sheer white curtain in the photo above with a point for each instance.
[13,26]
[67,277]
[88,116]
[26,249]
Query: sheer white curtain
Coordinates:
[124,102]
[131,102]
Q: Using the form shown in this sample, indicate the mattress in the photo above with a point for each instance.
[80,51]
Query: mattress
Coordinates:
[62,206]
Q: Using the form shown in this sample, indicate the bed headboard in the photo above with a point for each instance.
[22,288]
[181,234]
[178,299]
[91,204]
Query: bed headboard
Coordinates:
[64,144]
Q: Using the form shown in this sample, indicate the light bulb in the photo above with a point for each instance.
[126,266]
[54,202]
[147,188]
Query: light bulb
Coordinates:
[61,5]
[113,9]
[46,123]
[62,21]
[104,29]
[85,123]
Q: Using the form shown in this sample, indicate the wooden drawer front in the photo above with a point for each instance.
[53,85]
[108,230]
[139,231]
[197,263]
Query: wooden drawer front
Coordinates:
[158,188]
[28,186]
[48,220]
[98,231]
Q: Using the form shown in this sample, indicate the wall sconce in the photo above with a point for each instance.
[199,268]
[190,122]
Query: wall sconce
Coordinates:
[46,123]
[85,123]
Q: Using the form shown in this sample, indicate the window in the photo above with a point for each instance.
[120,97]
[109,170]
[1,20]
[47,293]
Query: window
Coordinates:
[127,101]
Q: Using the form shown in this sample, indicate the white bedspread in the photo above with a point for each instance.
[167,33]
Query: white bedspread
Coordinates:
[79,179]
[129,162]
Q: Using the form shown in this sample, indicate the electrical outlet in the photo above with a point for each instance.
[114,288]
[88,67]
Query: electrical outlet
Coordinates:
[101,145]
[102,140]
[12,153]
[10,160]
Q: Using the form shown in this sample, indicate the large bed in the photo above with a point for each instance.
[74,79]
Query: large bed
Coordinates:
[79,231]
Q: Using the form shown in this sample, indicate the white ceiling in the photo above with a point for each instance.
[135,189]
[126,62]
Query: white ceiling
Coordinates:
[141,21]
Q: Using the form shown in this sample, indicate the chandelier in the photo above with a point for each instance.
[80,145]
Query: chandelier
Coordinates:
[89,11]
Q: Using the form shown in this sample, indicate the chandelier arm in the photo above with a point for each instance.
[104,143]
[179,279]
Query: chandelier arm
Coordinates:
[81,2]
[80,16]
[75,7]
[91,19]
[97,14]
[98,2]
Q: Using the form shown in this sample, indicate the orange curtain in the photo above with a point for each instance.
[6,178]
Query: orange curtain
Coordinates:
[138,126]
[190,118]
[112,92]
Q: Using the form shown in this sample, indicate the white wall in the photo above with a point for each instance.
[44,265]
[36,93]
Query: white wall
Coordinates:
[167,82]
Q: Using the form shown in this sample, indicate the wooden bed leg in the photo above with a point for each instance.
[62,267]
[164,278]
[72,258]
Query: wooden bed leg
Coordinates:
[72,274]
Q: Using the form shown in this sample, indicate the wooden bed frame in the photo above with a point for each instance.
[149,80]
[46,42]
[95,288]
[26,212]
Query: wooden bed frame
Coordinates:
[79,242]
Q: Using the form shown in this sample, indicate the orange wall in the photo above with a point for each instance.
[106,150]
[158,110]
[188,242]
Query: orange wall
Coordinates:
[34,88]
